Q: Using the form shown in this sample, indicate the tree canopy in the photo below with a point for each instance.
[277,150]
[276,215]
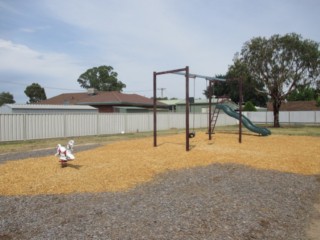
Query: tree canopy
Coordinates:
[302,93]
[6,97]
[280,64]
[102,78]
[230,88]
[35,93]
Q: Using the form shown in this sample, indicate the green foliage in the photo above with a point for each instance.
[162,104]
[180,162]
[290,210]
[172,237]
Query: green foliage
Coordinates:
[318,101]
[162,98]
[6,97]
[280,64]
[249,107]
[35,93]
[251,90]
[302,93]
[102,78]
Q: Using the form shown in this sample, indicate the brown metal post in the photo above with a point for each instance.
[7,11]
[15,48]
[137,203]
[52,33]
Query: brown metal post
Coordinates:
[154,109]
[187,109]
[186,69]
[240,110]
[210,111]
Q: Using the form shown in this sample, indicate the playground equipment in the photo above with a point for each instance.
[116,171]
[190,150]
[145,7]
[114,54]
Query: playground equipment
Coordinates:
[185,72]
[246,121]
[65,153]
[213,116]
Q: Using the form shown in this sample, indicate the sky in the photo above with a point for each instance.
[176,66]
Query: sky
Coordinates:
[52,42]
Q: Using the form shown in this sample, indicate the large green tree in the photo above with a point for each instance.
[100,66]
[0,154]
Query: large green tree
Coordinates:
[6,97]
[251,90]
[102,78]
[35,93]
[281,63]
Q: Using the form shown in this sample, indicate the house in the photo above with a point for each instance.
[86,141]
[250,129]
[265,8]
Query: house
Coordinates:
[45,109]
[296,106]
[196,105]
[106,102]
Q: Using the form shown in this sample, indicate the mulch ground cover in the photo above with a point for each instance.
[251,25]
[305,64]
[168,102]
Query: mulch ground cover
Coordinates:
[263,188]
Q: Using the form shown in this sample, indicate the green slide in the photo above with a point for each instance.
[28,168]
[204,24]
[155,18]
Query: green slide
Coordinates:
[246,122]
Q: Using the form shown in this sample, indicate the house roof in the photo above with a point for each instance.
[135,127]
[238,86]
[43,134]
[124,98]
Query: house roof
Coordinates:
[101,98]
[45,106]
[65,99]
[296,106]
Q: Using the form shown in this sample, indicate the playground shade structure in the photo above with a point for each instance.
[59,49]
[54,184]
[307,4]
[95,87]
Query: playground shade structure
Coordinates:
[246,121]
[123,165]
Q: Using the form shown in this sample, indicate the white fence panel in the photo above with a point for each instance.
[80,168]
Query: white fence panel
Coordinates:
[111,123]
[12,127]
[303,117]
[163,121]
[80,125]
[39,126]
[257,117]
[43,126]
[284,117]
[225,119]
[138,122]
[176,120]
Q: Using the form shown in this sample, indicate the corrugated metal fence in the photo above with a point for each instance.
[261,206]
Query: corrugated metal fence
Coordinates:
[15,127]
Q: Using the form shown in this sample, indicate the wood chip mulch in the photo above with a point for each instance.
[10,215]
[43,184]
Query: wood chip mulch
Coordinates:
[264,188]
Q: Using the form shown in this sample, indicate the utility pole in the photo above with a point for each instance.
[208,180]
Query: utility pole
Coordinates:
[161,89]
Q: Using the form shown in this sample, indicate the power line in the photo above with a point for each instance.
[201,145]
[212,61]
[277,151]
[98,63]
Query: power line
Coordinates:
[25,85]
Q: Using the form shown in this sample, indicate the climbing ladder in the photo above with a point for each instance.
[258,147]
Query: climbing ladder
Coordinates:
[214,115]
[214,118]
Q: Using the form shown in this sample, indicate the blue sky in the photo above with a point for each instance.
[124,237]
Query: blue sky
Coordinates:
[52,42]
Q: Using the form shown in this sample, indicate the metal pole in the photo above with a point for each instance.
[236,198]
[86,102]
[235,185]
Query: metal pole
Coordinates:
[210,110]
[154,109]
[171,71]
[187,108]
[240,110]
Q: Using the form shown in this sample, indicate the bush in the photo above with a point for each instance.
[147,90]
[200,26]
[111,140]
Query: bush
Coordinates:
[318,101]
[249,107]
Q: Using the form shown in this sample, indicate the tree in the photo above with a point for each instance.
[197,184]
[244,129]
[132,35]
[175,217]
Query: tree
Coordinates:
[35,93]
[102,78]
[230,88]
[6,97]
[302,93]
[281,63]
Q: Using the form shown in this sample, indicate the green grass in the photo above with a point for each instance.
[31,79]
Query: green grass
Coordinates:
[18,146]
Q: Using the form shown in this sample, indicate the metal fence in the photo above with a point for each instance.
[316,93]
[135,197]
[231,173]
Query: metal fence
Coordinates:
[286,117]
[14,127]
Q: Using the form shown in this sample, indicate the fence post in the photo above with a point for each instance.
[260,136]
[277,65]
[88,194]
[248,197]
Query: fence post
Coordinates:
[24,127]
[98,124]
[65,125]
[289,117]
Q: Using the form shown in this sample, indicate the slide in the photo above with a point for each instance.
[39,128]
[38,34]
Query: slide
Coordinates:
[246,122]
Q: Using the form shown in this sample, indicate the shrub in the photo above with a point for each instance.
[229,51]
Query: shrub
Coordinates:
[249,107]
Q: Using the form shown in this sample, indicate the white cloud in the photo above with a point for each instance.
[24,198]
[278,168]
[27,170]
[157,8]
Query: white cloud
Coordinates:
[26,65]
[22,59]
